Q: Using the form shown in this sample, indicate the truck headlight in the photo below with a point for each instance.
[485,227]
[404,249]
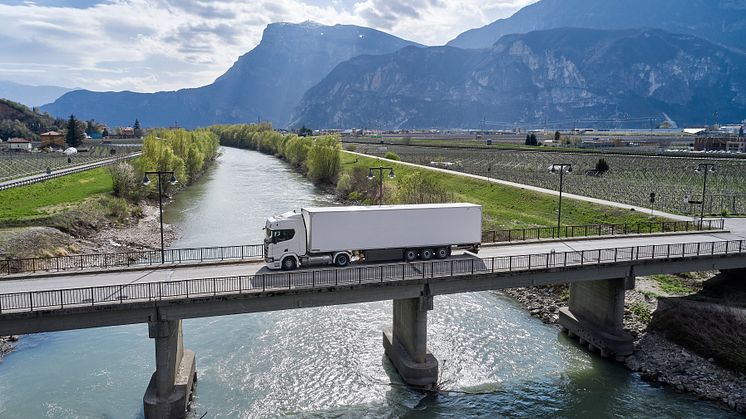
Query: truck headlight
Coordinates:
[270,260]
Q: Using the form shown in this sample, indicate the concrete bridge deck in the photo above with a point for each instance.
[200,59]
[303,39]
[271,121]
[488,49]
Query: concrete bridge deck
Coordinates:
[598,272]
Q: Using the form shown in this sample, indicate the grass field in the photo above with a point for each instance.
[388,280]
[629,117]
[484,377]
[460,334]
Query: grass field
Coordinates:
[53,196]
[504,206]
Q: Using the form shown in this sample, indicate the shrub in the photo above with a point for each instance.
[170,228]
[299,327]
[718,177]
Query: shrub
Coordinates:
[323,160]
[418,188]
[602,166]
[641,311]
[344,185]
[126,183]
[392,156]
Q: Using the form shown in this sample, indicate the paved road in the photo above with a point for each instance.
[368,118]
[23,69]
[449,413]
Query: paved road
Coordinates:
[250,268]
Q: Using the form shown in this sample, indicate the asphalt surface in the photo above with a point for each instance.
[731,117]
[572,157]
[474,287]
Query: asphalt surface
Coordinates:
[179,272]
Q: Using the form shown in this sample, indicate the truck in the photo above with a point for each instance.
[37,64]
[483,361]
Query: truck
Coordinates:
[334,235]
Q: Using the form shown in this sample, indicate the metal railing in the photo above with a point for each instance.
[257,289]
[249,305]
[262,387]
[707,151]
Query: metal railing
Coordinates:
[211,254]
[325,278]
[592,230]
[126,259]
[63,172]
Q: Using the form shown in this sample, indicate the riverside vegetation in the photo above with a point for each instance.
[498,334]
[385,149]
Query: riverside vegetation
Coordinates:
[65,214]
[325,163]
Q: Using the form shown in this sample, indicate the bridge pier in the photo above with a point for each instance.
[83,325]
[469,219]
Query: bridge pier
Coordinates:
[595,314]
[170,387]
[406,342]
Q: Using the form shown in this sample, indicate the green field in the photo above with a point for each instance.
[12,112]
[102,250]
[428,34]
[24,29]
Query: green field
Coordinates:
[53,196]
[503,206]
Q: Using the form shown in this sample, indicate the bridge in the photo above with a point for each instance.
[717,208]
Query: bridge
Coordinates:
[598,270]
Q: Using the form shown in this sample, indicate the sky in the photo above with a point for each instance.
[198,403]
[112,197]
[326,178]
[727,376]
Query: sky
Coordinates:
[151,45]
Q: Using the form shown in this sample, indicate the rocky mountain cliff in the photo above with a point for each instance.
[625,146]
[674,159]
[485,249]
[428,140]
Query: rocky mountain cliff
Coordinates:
[720,21]
[550,76]
[265,83]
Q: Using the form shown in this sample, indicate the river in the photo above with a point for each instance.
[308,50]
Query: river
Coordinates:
[495,359]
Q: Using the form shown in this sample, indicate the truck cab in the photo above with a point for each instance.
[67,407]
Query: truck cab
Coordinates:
[284,241]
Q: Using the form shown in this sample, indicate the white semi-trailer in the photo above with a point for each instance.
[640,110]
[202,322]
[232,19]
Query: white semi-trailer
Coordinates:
[332,235]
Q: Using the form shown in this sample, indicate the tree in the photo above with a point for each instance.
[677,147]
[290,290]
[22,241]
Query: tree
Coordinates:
[304,131]
[75,132]
[602,166]
[557,137]
[105,133]
[137,129]
[531,139]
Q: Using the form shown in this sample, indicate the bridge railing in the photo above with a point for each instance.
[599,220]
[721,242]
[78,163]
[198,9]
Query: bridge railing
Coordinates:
[239,252]
[325,278]
[126,259]
[591,230]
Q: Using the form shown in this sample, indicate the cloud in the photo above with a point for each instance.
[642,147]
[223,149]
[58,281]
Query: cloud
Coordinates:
[149,45]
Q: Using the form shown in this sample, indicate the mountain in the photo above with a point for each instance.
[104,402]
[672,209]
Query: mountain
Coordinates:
[30,95]
[17,120]
[544,76]
[720,21]
[265,83]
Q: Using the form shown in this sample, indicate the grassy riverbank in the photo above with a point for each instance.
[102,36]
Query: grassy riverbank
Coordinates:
[503,206]
[323,161]
[50,197]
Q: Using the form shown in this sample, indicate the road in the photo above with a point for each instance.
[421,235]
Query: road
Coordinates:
[250,268]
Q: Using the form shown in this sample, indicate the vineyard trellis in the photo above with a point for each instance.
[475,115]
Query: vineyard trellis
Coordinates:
[20,164]
[630,179]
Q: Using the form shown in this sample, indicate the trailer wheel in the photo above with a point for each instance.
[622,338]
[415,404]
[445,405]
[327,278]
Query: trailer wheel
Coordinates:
[410,255]
[342,260]
[426,253]
[442,252]
[288,264]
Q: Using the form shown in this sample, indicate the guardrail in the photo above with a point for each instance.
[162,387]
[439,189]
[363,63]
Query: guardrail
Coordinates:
[591,230]
[64,172]
[126,259]
[325,278]
[202,254]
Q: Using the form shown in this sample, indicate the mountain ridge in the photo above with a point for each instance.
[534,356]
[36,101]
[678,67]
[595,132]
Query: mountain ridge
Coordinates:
[554,75]
[719,21]
[264,83]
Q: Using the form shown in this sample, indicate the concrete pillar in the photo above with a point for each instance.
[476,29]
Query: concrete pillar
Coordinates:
[170,387]
[596,315]
[406,342]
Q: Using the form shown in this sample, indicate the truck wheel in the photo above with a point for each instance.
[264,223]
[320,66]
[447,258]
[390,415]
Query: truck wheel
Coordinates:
[288,264]
[442,252]
[342,260]
[426,254]
[410,255]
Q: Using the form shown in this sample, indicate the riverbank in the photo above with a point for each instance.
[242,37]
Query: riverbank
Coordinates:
[655,358]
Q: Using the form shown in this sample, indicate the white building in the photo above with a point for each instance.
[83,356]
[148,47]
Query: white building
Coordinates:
[19,144]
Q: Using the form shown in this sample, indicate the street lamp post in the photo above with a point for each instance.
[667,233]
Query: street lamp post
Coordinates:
[380,179]
[562,168]
[704,167]
[173,181]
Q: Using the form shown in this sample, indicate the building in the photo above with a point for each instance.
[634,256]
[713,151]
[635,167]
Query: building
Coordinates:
[19,144]
[52,139]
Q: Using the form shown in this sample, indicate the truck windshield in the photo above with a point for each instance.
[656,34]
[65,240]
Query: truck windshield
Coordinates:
[277,236]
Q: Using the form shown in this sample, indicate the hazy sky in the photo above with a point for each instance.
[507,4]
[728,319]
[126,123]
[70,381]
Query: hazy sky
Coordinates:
[148,45]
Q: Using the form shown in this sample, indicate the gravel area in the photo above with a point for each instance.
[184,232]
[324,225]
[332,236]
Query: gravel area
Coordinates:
[655,358]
